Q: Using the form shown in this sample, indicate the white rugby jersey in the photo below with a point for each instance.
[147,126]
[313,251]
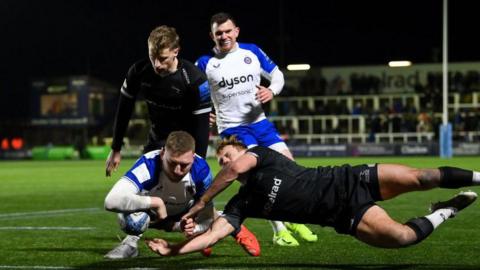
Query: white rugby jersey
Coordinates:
[148,177]
[233,78]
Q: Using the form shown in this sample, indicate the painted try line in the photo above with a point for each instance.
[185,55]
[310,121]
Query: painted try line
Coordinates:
[28,228]
[33,267]
[50,213]
[61,212]
[66,267]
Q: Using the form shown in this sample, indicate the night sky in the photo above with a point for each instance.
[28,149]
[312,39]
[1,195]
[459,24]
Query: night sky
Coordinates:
[103,38]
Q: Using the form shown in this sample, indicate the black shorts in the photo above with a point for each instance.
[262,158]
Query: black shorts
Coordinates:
[360,192]
[153,143]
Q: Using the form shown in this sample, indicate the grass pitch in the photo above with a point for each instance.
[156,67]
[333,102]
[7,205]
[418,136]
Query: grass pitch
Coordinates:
[52,217]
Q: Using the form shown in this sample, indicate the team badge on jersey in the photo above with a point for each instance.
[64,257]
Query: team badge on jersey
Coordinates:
[247,60]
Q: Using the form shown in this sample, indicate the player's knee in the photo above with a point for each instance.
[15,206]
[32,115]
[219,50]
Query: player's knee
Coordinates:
[426,178]
[405,237]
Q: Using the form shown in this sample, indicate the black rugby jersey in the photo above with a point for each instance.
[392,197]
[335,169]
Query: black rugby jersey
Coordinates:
[279,189]
[174,102]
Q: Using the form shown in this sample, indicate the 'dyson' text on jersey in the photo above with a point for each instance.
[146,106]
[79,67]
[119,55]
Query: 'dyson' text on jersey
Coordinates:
[230,83]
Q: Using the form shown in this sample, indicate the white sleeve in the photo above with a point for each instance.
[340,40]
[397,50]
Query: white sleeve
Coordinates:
[124,197]
[277,81]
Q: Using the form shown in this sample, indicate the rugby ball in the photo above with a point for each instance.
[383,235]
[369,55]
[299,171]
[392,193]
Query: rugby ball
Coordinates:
[134,223]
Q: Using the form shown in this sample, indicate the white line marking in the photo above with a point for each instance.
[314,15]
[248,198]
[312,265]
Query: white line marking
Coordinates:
[33,267]
[22,215]
[49,228]
[67,267]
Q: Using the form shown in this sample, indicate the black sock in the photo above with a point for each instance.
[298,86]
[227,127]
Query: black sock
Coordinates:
[451,177]
[422,227]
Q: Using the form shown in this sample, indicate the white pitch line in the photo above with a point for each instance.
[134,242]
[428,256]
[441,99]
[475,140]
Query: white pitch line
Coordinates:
[22,215]
[33,267]
[66,267]
[26,228]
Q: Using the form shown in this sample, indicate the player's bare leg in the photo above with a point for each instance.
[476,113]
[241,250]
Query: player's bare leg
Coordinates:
[378,229]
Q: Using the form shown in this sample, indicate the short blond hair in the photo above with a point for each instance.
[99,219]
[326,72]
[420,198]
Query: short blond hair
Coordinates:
[163,37]
[180,142]
[231,140]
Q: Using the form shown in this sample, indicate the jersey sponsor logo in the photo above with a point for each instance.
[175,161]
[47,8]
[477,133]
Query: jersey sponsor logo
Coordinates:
[230,83]
[165,106]
[365,176]
[247,60]
[272,196]
[176,89]
[216,65]
[239,93]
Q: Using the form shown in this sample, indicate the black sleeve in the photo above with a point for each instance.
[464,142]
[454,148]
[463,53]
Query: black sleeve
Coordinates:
[201,107]
[233,212]
[122,117]
[201,133]
[199,84]
[263,154]
[126,103]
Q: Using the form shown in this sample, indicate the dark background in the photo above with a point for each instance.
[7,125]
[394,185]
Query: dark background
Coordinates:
[103,38]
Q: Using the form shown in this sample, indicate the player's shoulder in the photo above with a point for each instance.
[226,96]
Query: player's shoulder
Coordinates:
[203,60]
[260,149]
[141,64]
[139,67]
[152,154]
[264,154]
[150,159]
[254,49]
[248,46]
[184,63]
[145,166]
[199,163]
[191,73]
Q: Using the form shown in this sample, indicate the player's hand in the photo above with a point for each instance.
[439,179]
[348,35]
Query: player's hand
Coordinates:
[113,161]
[213,119]
[264,94]
[188,227]
[158,246]
[194,210]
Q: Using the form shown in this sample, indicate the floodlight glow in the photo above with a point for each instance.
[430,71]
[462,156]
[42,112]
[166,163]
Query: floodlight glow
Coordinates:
[399,63]
[293,67]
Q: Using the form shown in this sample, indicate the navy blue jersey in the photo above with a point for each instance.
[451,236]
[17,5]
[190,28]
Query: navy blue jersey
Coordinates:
[174,101]
[279,189]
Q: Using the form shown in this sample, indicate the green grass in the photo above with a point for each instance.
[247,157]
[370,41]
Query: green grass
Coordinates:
[37,188]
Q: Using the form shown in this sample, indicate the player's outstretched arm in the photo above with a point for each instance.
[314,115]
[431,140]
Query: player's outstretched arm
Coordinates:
[222,180]
[205,218]
[219,230]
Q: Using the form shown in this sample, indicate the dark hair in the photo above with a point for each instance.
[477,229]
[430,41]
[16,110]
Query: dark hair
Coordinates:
[222,17]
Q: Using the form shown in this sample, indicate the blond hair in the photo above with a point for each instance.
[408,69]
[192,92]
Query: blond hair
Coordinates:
[163,37]
[180,142]
[233,141]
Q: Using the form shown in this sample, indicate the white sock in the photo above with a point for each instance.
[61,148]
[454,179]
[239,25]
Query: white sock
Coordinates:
[476,178]
[439,216]
[277,226]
